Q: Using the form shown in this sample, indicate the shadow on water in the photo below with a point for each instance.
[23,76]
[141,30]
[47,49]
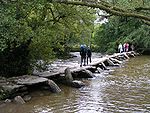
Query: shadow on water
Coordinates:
[125,89]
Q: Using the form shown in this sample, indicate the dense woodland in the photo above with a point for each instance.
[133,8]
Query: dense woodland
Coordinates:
[122,30]
[33,30]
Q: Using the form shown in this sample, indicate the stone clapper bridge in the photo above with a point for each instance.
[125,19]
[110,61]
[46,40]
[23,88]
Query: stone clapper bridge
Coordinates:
[20,86]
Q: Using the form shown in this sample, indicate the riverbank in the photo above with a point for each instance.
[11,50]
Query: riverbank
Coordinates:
[20,86]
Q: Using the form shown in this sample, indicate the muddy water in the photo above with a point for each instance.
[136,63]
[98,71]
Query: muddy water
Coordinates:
[125,89]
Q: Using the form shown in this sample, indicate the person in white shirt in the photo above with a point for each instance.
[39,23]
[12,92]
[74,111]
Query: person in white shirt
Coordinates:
[120,48]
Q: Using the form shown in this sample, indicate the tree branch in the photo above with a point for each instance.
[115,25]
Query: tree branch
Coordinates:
[142,8]
[146,22]
[104,16]
[106,7]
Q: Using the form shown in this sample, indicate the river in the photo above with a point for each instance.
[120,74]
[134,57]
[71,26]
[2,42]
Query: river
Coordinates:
[124,89]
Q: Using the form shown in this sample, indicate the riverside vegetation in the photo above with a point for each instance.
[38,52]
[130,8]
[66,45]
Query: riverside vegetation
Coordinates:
[31,31]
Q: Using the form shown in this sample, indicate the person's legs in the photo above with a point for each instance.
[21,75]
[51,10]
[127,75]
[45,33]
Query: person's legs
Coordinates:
[87,60]
[90,59]
[81,61]
[120,51]
[84,60]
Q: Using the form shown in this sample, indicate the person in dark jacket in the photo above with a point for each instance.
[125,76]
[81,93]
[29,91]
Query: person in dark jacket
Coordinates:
[83,54]
[89,54]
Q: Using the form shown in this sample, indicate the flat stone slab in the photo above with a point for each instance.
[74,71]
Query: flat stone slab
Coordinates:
[49,74]
[52,74]
[13,87]
[31,80]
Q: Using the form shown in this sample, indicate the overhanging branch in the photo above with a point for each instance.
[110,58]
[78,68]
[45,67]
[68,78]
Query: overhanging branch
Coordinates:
[142,8]
[107,8]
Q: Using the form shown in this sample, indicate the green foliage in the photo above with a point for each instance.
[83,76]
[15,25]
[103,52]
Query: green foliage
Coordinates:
[12,31]
[141,37]
[111,51]
[38,30]
[121,29]
[131,4]
[3,94]
[105,35]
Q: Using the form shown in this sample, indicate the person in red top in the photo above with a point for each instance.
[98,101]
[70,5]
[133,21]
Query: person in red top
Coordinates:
[127,47]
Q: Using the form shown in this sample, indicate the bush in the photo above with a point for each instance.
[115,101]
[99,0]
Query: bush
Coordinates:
[111,51]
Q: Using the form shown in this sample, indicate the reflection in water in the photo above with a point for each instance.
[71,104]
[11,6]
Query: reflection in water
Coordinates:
[125,90]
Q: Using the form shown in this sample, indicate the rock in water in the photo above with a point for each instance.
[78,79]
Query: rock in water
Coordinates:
[53,86]
[7,101]
[19,100]
[77,84]
[27,98]
[68,75]
[89,74]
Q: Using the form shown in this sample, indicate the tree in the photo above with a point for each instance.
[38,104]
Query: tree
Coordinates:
[36,30]
[121,29]
[128,8]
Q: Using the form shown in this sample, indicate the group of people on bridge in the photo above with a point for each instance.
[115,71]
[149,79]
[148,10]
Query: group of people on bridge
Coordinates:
[125,47]
[85,53]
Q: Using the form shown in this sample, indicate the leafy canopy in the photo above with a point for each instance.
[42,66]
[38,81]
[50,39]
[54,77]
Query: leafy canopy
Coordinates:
[120,29]
[38,30]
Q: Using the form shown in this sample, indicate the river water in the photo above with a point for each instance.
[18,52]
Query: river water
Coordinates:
[124,89]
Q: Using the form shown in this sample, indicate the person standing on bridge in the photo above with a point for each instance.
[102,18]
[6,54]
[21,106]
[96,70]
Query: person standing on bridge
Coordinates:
[89,54]
[127,47]
[132,47]
[83,53]
[120,48]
